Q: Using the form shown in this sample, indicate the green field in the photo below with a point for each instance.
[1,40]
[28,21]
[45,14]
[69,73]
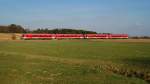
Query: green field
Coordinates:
[74,62]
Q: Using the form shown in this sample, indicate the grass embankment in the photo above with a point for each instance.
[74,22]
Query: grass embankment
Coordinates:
[74,62]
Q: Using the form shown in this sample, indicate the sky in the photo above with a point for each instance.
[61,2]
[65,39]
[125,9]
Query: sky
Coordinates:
[114,16]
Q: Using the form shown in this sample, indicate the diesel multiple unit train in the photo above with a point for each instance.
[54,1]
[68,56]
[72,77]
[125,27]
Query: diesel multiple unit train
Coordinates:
[74,36]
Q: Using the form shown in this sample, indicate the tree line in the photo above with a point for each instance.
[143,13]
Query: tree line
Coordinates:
[13,28]
[63,31]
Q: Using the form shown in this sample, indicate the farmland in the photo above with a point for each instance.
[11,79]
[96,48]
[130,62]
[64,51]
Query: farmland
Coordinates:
[75,61]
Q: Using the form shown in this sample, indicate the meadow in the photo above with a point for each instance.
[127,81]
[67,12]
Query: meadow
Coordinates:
[75,61]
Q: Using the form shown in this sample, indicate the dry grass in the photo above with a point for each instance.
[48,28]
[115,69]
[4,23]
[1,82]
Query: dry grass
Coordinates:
[8,36]
[5,36]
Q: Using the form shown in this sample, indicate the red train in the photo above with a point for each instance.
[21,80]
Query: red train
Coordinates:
[74,36]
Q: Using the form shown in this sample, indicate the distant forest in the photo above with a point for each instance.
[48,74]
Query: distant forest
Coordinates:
[13,28]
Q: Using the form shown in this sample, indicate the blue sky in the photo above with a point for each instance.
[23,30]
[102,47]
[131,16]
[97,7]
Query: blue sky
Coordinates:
[114,16]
